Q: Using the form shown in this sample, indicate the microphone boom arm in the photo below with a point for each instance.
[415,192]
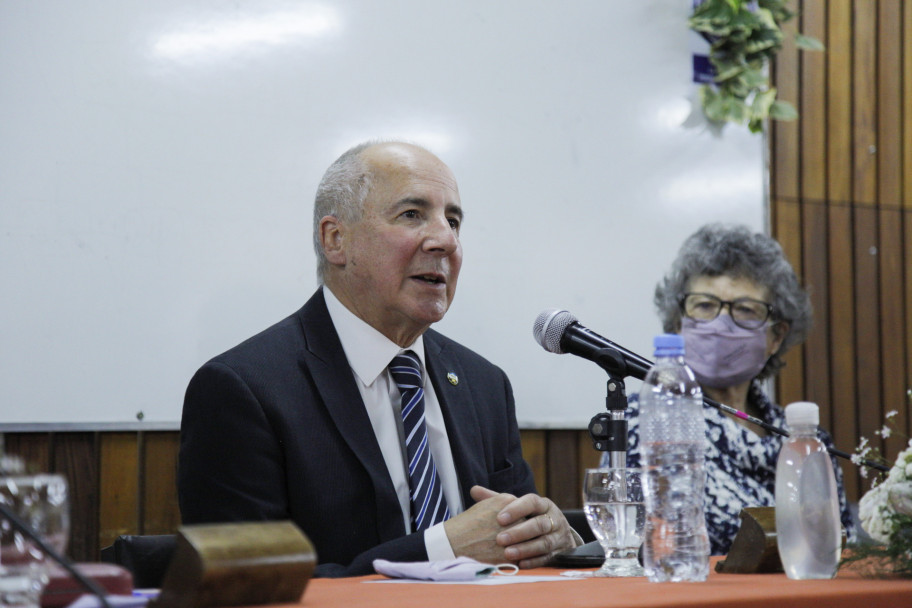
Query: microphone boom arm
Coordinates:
[83,580]
[775,429]
[559,332]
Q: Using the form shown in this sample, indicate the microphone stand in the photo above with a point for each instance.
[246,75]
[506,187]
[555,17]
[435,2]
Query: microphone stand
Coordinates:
[609,430]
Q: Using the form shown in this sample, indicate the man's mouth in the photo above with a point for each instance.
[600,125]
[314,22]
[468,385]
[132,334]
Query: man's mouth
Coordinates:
[432,279]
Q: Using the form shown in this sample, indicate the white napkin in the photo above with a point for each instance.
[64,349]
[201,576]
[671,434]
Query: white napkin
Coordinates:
[459,569]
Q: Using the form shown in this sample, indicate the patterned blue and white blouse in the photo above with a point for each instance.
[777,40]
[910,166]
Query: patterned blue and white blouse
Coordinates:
[740,466]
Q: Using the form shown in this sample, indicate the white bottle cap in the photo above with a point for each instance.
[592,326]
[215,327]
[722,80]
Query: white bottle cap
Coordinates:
[802,413]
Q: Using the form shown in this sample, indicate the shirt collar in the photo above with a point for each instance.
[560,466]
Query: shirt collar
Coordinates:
[368,351]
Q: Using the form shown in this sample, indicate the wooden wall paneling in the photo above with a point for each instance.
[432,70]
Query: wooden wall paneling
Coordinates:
[106,483]
[907,101]
[75,457]
[844,399]
[790,382]
[889,171]
[812,108]
[907,256]
[535,452]
[160,511]
[785,190]
[841,304]
[816,277]
[867,322]
[864,116]
[563,469]
[814,270]
[118,511]
[33,448]
[889,103]
[839,101]
[906,201]
[893,338]
[840,107]
[867,305]
[785,136]
[907,116]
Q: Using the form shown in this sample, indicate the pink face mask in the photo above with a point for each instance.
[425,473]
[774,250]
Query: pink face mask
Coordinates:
[720,353]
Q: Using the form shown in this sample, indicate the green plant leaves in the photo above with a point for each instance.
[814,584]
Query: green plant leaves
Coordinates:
[782,110]
[744,37]
[806,43]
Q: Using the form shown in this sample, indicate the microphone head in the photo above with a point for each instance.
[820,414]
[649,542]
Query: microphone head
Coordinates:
[549,328]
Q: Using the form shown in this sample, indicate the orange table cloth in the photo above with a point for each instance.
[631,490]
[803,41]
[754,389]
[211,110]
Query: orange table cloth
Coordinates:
[848,589]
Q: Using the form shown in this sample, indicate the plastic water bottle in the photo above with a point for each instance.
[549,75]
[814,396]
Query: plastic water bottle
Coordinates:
[672,430]
[808,529]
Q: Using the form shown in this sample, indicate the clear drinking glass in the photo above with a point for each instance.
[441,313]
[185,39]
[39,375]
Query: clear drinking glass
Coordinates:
[41,502]
[613,502]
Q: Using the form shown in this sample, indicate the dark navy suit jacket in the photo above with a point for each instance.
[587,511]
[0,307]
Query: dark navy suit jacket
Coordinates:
[276,429]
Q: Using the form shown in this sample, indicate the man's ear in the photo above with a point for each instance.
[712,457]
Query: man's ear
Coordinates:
[332,233]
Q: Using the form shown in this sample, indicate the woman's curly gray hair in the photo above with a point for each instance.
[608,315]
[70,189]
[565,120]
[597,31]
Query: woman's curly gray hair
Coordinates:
[717,250]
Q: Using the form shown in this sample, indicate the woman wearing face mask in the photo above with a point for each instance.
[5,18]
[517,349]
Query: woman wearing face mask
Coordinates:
[737,302]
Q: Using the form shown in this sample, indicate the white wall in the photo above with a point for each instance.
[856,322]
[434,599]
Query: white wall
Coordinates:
[158,162]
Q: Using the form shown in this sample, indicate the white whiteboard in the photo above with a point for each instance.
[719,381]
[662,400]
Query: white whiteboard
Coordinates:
[158,162]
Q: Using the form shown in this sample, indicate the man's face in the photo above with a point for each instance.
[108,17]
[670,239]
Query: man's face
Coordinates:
[402,258]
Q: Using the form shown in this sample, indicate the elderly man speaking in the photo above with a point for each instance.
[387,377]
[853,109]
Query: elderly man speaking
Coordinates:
[377,436]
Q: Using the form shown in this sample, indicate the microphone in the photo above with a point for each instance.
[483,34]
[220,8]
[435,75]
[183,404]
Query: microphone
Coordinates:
[559,332]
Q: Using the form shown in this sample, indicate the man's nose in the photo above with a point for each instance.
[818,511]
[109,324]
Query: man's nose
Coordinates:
[441,236]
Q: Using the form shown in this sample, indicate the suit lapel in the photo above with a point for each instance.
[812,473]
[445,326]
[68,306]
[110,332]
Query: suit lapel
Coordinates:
[458,406]
[325,360]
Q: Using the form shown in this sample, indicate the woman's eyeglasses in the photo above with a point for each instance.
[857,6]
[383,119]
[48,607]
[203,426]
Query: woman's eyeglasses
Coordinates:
[745,312]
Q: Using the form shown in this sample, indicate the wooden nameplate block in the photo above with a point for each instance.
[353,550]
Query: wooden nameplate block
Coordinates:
[754,549]
[237,564]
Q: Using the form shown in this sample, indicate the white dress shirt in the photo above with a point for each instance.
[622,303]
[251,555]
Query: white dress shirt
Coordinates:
[369,354]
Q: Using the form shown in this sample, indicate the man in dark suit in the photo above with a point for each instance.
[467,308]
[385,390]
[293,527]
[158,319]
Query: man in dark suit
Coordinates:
[303,421]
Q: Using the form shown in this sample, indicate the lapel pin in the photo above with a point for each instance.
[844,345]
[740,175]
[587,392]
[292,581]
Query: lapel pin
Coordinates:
[453,378]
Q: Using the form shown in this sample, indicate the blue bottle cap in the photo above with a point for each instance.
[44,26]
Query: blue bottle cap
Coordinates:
[668,345]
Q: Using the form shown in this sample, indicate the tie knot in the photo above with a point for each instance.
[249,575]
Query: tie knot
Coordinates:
[406,370]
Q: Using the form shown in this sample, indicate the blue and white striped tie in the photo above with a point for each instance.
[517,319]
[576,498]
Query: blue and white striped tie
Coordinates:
[428,502]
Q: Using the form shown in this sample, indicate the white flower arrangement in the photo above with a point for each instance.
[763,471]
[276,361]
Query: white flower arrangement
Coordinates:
[886,510]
